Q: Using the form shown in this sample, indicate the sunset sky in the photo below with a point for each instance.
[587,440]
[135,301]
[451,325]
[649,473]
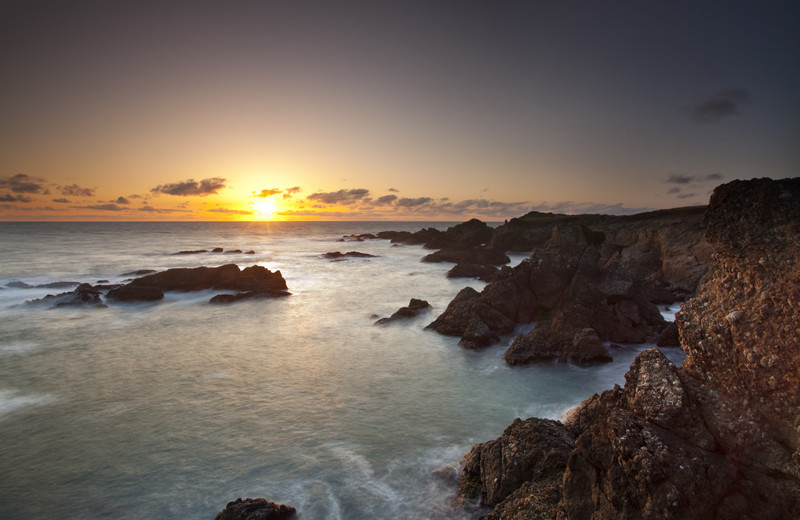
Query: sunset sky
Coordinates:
[378,110]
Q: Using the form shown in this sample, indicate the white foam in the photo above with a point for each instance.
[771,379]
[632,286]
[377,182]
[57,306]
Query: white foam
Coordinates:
[17,348]
[10,401]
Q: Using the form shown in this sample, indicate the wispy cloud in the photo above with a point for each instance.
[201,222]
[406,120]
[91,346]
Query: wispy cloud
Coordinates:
[386,199]
[22,183]
[73,190]
[7,197]
[122,200]
[191,187]
[101,207]
[724,103]
[62,201]
[267,193]
[151,209]
[410,203]
[230,211]
[288,193]
[346,197]
[677,178]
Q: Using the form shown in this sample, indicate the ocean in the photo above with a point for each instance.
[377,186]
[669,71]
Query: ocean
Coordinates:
[171,409]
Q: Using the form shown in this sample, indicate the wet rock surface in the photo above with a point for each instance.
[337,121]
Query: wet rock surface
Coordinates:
[256,509]
[336,255]
[716,438]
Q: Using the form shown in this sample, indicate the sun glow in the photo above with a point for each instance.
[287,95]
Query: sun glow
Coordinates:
[264,209]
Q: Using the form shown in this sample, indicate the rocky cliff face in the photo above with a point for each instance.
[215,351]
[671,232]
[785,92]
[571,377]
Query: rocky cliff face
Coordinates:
[717,438]
[586,284]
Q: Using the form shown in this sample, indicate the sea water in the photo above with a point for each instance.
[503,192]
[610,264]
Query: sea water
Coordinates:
[171,409]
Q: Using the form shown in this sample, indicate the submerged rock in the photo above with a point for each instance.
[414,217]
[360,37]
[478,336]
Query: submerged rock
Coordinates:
[135,293]
[83,296]
[256,509]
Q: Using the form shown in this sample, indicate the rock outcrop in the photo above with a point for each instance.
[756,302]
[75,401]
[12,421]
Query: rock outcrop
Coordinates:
[718,437]
[256,509]
[227,277]
[607,278]
[84,295]
[336,255]
[414,308]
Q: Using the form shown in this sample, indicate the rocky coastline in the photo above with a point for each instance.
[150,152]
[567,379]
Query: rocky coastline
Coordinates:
[718,437]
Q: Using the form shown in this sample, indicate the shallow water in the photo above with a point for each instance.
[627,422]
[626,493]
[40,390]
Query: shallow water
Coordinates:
[171,409]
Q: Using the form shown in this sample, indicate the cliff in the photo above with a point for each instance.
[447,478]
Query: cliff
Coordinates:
[716,438]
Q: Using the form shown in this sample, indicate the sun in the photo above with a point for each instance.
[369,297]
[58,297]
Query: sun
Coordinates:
[264,209]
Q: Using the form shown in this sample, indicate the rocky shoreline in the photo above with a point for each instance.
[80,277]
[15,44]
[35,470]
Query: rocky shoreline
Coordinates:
[718,437]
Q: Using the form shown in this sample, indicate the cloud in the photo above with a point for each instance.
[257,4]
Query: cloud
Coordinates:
[722,104]
[687,195]
[191,187]
[386,199]
[151,209]
[673,190]
[73,190]
[62,201]
[230,211]
[122,200]
[410,203]
[14,198]
[101,207]
[677,178]
[339,197]
[394,190]
[22,183]
[288,193]
[267,193]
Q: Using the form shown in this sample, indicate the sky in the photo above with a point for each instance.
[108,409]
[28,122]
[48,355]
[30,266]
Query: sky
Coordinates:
[380,110]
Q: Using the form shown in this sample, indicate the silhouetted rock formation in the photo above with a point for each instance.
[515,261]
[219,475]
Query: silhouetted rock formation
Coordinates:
[227,277]
[717,438]
[480,271]
[135,293]
[414,307]
[606,278]
[256,509]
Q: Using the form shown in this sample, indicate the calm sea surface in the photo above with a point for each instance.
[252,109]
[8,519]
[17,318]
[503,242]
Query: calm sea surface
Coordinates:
[169,410]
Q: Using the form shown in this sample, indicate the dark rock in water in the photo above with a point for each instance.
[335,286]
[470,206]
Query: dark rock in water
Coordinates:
[192,252]
[227,277]
[415,306]
[102,281]
[480,271]
[83,296]
[140,272]
[256,509]
[350,254]
[19,285]
[233,251]
[135,293]
[533,450]
[474,255]
[251,252]
[478,335]
[230,298]
[216,250]
[669,336]
[358,238]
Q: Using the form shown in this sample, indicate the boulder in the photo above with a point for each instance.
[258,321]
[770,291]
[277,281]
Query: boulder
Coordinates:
[414,308]
[256,509]
[227,277]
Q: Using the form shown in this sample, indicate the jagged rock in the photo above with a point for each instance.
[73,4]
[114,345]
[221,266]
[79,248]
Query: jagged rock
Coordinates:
[336,255]
[478,335]
[587,348]
[83,296]
[533,450]
[414,308]
[669,336]
[480,271]
[256,509]
[135,293]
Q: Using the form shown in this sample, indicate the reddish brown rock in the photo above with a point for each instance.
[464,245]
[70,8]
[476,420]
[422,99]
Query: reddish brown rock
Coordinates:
[256,509]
